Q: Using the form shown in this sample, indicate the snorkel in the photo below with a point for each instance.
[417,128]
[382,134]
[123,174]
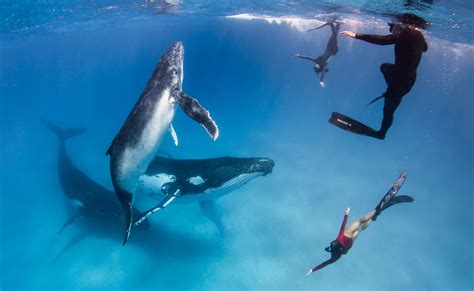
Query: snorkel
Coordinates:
[396,27]
[335,248]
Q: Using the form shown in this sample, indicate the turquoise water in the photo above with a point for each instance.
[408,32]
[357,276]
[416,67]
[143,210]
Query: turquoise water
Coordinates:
[87,69]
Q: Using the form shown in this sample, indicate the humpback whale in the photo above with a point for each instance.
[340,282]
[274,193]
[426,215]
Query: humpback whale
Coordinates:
[93,201]
[137,142]
[199,180]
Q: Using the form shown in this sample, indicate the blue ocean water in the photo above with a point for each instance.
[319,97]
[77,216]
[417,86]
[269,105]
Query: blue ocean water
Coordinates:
[81,68]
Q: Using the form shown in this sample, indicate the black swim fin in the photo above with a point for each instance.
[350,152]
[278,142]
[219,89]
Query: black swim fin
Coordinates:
[399,199]
[352,125]
[391,194]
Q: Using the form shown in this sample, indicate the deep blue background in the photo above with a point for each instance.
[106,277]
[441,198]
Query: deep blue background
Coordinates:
[266,103]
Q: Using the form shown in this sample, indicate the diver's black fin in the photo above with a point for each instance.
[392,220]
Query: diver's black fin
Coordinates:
[376,99]
[194,110]
[399,199]
[163,203]
[61,133]
[391,193]
[209,209]
[352,125]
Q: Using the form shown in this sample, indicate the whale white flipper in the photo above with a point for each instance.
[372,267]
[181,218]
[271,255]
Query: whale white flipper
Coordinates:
[201,115]
[165,202]
[173,134]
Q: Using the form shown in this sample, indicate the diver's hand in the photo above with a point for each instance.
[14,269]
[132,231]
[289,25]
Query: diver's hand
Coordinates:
[348,210]
[297,55]
[322,85]
[348,33]
[309,272]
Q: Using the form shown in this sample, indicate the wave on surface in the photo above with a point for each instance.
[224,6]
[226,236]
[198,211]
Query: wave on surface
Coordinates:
[351,22]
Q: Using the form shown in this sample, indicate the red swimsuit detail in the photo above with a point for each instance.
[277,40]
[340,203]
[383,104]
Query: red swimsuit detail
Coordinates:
[346,243]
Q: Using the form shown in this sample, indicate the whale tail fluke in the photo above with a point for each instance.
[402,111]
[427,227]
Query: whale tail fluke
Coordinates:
[61,133]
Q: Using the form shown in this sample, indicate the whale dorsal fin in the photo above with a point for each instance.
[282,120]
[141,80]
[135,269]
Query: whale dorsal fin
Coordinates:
[193,109]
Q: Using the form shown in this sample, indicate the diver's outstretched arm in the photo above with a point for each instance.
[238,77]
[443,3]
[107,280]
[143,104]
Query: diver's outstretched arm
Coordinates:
[305,57]
[323,264]
[372,38]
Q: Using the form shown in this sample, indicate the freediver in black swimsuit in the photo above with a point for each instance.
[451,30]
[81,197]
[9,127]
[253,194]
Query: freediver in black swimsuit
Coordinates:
[321,62]
[400,77]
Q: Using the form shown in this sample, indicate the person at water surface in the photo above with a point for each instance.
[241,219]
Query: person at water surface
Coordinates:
[321,62]
[346,237]
[400,77]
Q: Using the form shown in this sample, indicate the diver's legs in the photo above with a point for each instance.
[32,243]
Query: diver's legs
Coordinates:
[391,104]
[359,225]
[335,28]
[388,71]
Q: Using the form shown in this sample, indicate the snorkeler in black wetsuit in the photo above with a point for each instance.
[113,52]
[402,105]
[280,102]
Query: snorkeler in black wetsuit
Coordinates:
[321,62]
[400,77]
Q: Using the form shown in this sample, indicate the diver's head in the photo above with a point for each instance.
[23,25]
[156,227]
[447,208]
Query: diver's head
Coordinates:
[407,20]
[335,248]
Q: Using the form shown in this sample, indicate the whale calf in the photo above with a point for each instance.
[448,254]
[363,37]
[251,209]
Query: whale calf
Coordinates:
[137,142]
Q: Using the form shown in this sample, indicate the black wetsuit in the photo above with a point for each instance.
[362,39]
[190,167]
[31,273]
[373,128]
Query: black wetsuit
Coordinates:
[331,48]
[321,62]
[401,76]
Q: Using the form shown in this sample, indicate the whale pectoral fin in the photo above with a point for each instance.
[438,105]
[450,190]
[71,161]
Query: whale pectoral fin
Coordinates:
[165,202]
[173,134]
[79,215]
[70,221]
[128,212]
[210,210]
[194,110]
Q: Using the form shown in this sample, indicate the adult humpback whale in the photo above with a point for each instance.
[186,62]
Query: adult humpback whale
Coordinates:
[93,201]
[135,145]
[200,181]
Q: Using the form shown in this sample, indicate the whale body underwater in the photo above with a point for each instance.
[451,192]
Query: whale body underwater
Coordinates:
[199,180]
[137,141]
[91,201]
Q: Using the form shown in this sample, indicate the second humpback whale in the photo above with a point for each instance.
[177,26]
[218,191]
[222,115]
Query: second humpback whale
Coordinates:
[199,180]
[92,201]
[137,142]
